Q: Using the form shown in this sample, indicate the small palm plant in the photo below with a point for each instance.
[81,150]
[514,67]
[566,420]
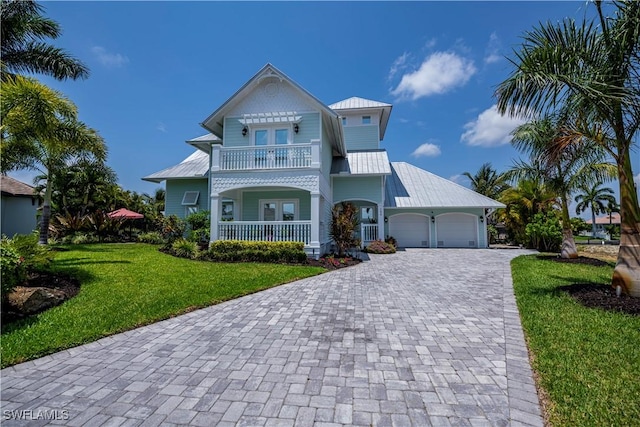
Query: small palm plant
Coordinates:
[344,223]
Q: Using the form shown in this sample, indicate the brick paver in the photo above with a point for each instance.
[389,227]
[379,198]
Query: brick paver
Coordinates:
[421,337]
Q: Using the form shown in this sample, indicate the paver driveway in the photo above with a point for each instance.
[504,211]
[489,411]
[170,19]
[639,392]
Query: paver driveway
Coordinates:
[422,337]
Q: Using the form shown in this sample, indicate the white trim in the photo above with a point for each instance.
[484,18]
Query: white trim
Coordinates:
[193,194]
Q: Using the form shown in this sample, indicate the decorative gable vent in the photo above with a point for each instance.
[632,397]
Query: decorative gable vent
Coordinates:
[190,198]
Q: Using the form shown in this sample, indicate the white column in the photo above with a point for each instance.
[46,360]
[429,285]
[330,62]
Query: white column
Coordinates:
[381,235]
[315,153]
[215,215]
[215,157]
[315,220]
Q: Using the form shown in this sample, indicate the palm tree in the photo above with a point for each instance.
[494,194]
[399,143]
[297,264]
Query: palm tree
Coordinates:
[594,198]
[40,131]
[23,29]
[562,174]
[591,69]
[487,181]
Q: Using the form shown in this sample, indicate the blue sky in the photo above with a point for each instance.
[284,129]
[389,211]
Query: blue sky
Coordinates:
[160,68]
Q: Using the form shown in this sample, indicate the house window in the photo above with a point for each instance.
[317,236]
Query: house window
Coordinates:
[190,198]
[227,211]
[366,120]
[278,210]
[272,136]
[368,216]
[190,210]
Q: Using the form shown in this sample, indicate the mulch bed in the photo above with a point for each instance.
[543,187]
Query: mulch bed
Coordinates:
[604,297]
[334,263]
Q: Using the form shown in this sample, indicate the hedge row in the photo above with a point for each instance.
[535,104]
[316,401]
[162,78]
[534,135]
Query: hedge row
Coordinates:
[242,251]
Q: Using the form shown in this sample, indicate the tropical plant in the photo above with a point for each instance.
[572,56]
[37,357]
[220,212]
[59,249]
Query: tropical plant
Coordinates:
[562,173]
[23,31]
[523,202]
[344,222]
[41,131]
[593,198]
[545,231]
[380,247]
[590,67]
[578,225]
[487,181]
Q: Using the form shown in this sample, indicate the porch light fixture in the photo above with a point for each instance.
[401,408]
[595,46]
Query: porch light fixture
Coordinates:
[244,131]
[296,128]
[481,218]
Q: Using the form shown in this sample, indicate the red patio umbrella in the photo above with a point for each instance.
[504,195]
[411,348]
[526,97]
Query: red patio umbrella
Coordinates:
[125,213]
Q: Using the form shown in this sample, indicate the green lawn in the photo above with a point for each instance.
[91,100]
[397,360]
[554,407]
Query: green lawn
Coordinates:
[588,360]
[128,285]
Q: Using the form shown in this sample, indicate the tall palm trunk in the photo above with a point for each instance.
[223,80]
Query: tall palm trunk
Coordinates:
[593,222]
[568,249]
[46,214]
[627,271]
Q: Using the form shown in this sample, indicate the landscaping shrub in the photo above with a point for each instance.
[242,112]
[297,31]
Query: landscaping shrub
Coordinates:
[198,225]
[35,257]
[545,232]
[152,237]
[12,266]
[392,241]
[261,251]
[171,229]
[184,248]
[380,247]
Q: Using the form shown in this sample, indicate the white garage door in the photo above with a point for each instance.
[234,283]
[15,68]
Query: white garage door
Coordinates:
[457,231]
[410,230]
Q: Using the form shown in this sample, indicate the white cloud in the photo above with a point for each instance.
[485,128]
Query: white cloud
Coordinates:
[426,150]
[109,59]
[161,127]
[493,50]
[490,129]
[438,73]
[398,65]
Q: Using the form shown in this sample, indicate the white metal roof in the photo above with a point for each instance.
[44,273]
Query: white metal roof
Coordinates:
[370,162]
[355,102]
[412,187]
[194,166]
[205,138]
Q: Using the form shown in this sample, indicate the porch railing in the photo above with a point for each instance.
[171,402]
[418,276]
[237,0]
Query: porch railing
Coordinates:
[275,231]
[292,156]
[368,232]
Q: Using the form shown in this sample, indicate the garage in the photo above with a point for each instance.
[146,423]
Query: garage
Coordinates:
[410,230]
[457,230]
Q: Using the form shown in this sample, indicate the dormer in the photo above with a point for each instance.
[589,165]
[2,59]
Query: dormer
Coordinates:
[364,122]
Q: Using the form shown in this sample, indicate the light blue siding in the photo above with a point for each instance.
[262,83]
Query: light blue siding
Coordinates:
[309,128]
[362,137]
[357,188]
[251,199]
[18,215]
[175,193]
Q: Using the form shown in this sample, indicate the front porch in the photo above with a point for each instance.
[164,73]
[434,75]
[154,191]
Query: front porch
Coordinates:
[272,231]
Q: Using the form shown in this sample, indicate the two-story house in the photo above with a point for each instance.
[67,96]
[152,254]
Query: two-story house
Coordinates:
[276,160]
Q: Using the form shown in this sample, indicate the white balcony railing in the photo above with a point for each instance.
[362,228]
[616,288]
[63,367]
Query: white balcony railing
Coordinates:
[368,232]
[292,156]
[275,231]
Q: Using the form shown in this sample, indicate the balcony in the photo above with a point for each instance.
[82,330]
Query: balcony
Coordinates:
[273,231]
[270,157]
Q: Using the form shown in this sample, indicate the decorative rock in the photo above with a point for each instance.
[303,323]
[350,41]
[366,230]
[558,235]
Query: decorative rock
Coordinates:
[33,300]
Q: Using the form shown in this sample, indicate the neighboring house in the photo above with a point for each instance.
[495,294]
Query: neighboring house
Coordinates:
[601,223]
[276,160]
[19,207]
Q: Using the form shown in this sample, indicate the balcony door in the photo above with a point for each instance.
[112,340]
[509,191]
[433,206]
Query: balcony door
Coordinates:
[270,137]
[278,210]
